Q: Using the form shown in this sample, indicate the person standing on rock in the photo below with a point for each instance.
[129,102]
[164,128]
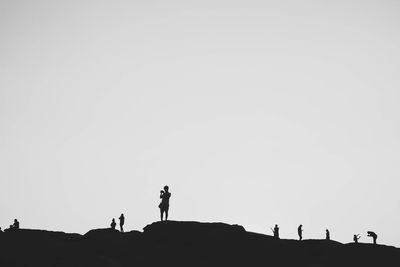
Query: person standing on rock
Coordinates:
[121,222]
[300,232]
[328,235]
[276,231]
[113,224]
[164,205]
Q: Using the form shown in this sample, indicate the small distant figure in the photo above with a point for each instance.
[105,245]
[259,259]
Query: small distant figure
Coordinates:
[276,231]
[164,205]
[113,224]
[373,235]
[121,222]
[15,225]
[356,238]
[327,235]
[300,232]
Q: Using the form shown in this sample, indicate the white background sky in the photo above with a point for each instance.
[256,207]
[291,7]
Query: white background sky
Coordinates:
[253,112]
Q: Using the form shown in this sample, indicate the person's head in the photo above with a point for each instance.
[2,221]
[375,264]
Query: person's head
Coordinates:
[15,220]
[276,225]
[166,188]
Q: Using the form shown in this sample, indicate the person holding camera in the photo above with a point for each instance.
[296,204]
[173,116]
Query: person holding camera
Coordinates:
[164,205]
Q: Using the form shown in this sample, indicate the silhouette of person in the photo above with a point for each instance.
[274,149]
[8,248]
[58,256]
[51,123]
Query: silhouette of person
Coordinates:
[113,224]
[328,235]
[276,231]
[355,238]
[121,222]
[373,235]
[300,232]
[16,224]
[164,205]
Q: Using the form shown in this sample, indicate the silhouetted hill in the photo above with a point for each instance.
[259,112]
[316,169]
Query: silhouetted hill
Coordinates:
[183,244]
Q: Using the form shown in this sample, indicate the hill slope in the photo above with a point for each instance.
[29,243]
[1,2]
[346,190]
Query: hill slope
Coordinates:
[183,244]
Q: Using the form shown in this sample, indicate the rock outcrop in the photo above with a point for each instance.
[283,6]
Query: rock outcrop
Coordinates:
[175,244]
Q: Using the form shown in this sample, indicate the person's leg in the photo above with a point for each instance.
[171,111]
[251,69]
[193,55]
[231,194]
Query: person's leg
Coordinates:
[161,214]
[166,215]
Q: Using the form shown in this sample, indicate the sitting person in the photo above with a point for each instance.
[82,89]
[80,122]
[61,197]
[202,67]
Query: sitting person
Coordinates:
[113,224]
[16,224]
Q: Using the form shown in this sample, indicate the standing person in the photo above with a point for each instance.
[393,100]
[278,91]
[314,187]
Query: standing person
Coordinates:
[113,224]
[355,238]
[276,231]
[373,235]
[121,222]
[300,232]
[164,205]
[328,235]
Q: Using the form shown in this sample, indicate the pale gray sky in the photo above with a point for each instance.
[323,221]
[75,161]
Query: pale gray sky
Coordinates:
[253,112]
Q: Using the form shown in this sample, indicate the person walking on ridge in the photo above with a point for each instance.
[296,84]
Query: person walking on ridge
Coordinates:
[164,205]
[121,222]
[356,238]
[300,232]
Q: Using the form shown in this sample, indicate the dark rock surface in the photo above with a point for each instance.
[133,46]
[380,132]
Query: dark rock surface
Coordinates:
[183,244]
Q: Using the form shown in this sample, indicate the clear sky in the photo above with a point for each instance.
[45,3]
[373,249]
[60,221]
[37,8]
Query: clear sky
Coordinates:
[253,112]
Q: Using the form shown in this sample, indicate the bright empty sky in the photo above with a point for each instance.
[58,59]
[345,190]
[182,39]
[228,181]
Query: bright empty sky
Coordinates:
[253,112]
